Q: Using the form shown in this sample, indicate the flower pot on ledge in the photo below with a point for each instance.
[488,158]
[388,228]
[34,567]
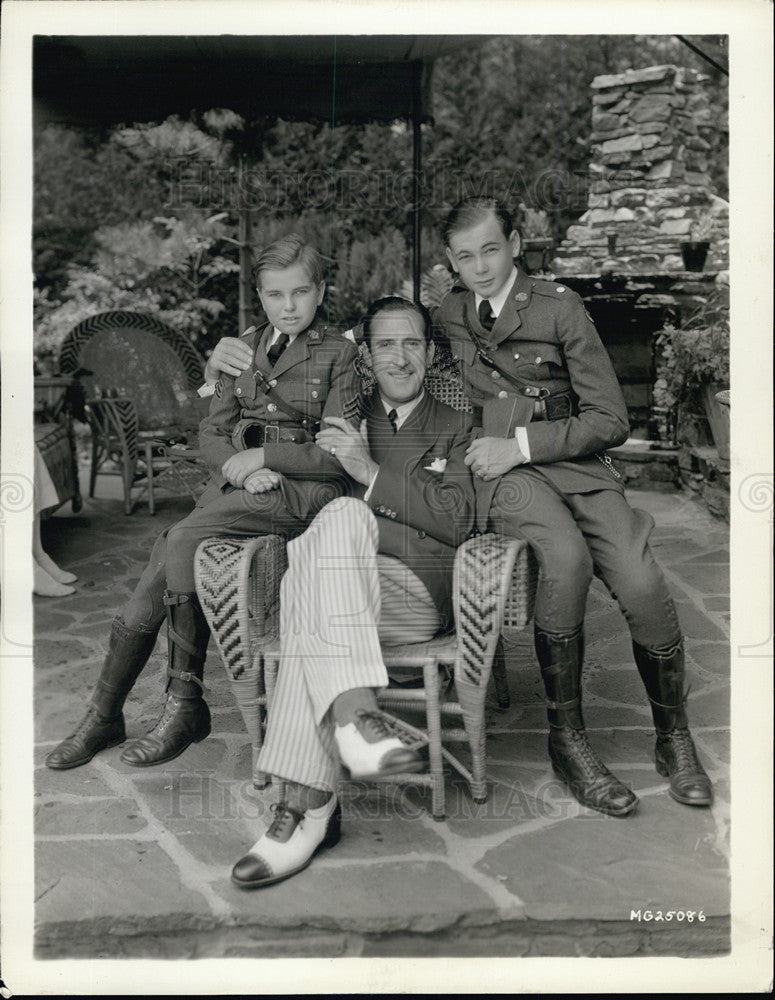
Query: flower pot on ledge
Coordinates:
[694,254]
[718,418]
[535,252]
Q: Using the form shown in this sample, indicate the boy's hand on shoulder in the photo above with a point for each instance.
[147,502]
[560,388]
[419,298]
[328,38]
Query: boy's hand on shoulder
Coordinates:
[238,467]
[492,457]
[231,356]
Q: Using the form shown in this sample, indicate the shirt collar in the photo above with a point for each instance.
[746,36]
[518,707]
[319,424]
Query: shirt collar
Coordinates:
[404,410]
[275,334]
[498,301]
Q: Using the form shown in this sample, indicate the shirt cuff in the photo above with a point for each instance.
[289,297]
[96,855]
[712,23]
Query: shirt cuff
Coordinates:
[370,490]
[520,433]
[205,390]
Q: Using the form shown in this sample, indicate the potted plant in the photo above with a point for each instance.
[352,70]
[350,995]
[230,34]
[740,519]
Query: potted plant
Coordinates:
[695,250]
[536,238]
[693,367]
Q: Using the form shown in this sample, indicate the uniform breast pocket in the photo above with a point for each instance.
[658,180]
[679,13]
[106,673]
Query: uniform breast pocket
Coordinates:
[536,358]
[308,395]
[245,387]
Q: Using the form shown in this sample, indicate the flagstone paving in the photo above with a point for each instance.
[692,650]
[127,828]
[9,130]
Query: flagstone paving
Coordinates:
[136,862]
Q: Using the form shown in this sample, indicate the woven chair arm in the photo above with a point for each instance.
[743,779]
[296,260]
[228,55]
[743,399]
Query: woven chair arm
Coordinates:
[115,418]
[483,572]
[238,583]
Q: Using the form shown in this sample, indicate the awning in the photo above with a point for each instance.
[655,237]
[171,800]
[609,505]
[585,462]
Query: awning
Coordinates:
[106,80]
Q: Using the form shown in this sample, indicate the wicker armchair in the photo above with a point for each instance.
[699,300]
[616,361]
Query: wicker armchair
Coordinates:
[494,585]
[139,377]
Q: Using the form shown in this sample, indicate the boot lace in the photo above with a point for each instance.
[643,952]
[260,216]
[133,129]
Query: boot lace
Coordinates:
[92,716]
[587,756]
[682,745]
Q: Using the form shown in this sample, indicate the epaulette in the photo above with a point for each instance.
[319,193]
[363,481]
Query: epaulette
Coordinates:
[552,289]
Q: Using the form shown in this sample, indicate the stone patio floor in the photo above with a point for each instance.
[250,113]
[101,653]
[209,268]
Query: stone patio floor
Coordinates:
[136,862]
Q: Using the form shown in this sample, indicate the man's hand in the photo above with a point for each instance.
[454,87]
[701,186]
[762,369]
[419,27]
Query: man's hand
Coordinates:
[491,457]
[350,446]
[262,481]
[231,356]
[237,468]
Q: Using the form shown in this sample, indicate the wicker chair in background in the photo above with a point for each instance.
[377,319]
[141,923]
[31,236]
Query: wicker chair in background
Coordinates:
[140,378]
[494,585]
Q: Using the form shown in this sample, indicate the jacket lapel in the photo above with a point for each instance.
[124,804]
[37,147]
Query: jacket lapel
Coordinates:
[293,354]
[509,319]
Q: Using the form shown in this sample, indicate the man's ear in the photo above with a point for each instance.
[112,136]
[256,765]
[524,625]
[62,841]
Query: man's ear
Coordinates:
[515,243]
[430,353]
[451,259]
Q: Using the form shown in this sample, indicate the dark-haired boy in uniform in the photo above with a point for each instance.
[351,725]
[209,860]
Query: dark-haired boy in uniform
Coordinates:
[268,477]
[550,404]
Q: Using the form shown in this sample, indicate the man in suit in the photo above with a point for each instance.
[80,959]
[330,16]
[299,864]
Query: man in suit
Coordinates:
[268,477]
[366,570]
[549,405]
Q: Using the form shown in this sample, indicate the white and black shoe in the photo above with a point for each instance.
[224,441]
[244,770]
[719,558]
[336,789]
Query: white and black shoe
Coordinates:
[290,843]
[369,747]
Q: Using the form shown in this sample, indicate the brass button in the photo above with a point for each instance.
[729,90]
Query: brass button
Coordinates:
[314,394]
[271,407]
[272,382]
[560,288]
[502,394]
[538,360]
[238,391]
[516,357]
[496,374]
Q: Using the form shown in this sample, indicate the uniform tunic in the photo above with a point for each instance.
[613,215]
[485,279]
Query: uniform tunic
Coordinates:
[316,375]
[568,501]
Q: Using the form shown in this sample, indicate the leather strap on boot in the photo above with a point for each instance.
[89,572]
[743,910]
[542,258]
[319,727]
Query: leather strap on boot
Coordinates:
[573,759]
[187,634]
[662,672]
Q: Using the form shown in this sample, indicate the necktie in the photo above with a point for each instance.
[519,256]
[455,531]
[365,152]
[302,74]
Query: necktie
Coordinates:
[277,348]
[393,418]
[486,317]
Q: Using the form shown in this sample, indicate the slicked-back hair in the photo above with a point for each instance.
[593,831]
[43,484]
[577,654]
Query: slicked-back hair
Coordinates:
[471,211]
[287,251]
[396,304]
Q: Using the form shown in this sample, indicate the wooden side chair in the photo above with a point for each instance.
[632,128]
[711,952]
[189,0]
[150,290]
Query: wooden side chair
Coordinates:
[140,378]
[494,585]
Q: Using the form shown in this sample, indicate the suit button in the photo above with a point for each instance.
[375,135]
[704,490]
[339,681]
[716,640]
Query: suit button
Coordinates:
[421,534]
[381,508]
[271,407]
[238,391]
[392,513]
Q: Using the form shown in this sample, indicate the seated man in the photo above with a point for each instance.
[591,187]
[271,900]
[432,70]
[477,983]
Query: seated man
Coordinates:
[364,571]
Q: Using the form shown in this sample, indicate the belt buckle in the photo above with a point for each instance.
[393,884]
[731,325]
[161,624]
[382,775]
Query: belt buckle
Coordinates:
[271,434]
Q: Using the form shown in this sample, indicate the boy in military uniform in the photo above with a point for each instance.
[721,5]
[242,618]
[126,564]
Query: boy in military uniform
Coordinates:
[549,403]
[268,477]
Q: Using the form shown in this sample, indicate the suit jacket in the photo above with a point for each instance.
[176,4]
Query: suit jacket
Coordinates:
[315,374]
[423,495]
[545,336]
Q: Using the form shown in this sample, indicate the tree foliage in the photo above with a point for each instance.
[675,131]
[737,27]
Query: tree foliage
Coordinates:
[145,217]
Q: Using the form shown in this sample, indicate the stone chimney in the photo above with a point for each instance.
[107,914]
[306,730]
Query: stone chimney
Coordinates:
[653,130]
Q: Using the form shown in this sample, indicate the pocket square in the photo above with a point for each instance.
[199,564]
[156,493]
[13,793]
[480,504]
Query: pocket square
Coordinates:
[437,465]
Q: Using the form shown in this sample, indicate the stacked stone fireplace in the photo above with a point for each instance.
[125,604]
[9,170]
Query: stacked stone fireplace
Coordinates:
[653,131]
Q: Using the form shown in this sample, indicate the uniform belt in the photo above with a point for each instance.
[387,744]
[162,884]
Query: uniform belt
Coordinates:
[256,433]
[558,407]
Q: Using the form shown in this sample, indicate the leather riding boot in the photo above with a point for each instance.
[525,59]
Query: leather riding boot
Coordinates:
[103,724]
[573,759]
[186,717]
[662,672]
